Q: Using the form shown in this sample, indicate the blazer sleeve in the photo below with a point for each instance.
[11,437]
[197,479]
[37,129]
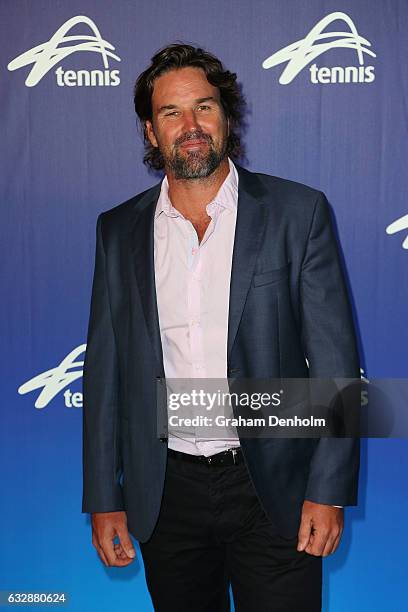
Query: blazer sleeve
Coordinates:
[102,467]
[329,343]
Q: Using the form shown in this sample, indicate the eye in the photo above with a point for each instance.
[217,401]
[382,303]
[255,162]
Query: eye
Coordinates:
[171,114]
[204,107]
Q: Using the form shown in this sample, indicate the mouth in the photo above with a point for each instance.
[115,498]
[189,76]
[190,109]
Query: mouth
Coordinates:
[193,144]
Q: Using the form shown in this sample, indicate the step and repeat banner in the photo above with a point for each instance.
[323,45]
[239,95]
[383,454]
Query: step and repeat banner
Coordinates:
[327,92]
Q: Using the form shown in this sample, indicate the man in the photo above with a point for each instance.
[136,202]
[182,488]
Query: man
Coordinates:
[215,272]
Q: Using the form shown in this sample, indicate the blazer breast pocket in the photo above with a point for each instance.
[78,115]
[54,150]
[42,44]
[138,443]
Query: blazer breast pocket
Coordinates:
[270,277]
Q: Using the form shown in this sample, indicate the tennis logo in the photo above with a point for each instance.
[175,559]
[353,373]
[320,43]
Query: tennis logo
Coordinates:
[45,56]
[301,53]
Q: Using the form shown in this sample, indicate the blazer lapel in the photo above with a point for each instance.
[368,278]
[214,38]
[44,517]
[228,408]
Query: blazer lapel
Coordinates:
[249,228]
[142,249]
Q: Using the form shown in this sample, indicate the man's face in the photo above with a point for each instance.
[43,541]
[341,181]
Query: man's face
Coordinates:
[188,124]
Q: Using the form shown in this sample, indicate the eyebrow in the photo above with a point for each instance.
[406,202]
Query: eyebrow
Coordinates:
[198,101]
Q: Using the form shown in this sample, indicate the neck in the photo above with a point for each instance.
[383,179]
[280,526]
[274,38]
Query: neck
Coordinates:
[191,196]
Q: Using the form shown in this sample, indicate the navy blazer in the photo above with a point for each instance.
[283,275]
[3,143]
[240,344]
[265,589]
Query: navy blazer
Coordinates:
[288,303]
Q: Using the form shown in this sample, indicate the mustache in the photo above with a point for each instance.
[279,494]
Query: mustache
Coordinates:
[193,136]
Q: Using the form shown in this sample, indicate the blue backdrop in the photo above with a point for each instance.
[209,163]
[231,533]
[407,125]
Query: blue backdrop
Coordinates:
[331,110]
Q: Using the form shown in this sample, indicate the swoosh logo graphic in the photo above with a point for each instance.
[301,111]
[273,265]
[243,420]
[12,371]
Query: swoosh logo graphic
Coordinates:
[300,53]
[399,225]
[53,381]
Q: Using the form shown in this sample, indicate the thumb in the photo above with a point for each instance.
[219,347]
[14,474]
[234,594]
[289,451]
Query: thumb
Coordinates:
[126,543]
[305,530]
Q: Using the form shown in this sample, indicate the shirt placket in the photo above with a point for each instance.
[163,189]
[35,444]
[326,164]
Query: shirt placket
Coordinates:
[194,306]
[194,294]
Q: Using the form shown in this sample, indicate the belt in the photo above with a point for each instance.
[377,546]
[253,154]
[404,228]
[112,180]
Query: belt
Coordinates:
[232,456]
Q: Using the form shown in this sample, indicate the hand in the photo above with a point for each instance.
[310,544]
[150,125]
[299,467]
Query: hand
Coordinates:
[105,527]
[320,529]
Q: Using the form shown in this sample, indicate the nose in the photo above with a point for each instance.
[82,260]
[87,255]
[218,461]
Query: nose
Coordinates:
[191,123]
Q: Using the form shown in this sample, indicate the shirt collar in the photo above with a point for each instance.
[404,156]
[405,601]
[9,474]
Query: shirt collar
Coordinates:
[226,197]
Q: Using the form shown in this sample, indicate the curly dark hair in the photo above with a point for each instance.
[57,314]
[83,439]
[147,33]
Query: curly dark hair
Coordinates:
[180,55]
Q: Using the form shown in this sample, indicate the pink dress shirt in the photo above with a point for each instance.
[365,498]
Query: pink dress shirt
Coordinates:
[193,285]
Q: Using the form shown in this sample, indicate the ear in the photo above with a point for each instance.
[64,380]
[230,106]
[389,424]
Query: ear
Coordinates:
[149,131]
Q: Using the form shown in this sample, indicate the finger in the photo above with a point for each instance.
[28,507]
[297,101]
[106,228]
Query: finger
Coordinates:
[304,534]
[98,549]
[126,542]
[335,545]
[309,548]
[102,556]
[120,552]
[328,549]
[316,547]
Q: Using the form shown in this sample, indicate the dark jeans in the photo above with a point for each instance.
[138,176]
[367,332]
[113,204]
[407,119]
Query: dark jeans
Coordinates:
[212,531]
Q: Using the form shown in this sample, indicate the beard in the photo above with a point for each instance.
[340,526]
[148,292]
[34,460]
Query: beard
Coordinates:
[195,164]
